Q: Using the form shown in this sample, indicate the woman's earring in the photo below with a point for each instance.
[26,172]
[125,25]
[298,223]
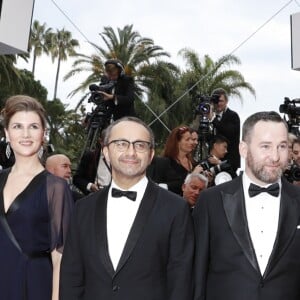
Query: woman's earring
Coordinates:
[8,150]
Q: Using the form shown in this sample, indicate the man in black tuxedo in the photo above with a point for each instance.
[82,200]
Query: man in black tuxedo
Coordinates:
[247,230]
[121,100]
[129,244]
[227,124]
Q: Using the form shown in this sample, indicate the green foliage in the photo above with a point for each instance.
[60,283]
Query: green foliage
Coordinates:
[135,52]
[66,131]
[205,75]
[25,85]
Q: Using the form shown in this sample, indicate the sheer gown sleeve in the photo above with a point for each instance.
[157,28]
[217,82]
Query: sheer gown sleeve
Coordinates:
[60,202]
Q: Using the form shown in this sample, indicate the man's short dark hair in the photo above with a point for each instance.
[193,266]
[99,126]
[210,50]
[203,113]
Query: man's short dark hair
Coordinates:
[218,139]
[266,116]
[296,141]
[219,92]
[129,119]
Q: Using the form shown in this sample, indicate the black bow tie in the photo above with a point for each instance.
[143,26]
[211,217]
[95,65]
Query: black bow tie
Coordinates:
[273,190]
[118,193]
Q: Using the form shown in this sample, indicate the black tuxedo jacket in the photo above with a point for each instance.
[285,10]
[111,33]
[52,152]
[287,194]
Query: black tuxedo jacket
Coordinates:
[229,127]
[156,263]
[225,262]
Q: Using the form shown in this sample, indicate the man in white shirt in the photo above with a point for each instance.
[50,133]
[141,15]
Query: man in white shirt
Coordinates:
[132,240]
[247,239]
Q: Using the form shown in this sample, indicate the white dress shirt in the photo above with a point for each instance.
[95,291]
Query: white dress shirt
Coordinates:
[263,215]
[103,176]
[219,115]
[121,213]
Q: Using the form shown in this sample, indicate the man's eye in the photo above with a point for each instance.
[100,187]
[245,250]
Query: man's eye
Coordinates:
[121,144]
[283,146]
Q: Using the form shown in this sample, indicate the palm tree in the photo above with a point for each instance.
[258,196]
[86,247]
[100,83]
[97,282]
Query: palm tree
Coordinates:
[62,45]
[8,72]
[135,52]
[11,79]
[205,75]
[38,41]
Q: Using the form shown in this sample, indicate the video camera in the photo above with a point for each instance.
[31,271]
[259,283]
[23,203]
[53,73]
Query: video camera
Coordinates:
[101,115]
[214,170]
[205,102]
[205,129]
[105,86]
[291,108]
[292,173]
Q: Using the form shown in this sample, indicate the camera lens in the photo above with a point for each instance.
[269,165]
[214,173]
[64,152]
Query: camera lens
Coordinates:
[295,173]
[204,108]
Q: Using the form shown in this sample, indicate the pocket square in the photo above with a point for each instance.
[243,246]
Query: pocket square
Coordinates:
[298,226]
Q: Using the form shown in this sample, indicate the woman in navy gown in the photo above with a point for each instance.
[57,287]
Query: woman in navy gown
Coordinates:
[35,208]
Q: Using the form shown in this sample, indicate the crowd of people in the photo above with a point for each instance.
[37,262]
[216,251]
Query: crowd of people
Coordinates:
[133,224]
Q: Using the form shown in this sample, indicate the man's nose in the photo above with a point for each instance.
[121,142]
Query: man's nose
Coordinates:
[275,154]
[131,149]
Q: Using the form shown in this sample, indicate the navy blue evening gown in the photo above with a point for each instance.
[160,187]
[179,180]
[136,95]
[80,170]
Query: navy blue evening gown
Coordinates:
[37,220]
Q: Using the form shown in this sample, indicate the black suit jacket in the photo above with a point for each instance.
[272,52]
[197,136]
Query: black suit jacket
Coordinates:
[156,263]
[87,170]
[124,92]
[229,127]
[225,262]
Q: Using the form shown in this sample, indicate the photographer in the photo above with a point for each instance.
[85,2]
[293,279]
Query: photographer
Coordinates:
[121,98]
[227,124]
[292,173]
[215,162]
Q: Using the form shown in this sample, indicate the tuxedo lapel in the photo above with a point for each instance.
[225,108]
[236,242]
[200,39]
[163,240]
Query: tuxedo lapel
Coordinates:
[234,206]
[288,220]
[140,220]
[101,231]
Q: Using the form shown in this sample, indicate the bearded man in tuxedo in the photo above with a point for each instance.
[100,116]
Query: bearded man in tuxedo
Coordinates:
[131,240]
[248,230]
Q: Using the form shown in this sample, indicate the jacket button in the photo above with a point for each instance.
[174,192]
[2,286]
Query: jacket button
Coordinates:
[115,288]
[261,284]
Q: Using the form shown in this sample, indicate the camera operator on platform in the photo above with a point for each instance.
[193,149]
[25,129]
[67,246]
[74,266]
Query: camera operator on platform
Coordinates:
[227,123]
[121,100]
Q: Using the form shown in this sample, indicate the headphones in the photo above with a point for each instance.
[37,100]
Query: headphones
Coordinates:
[116,63]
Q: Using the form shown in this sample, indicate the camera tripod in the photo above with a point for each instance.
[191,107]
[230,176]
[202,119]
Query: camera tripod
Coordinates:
[205,133]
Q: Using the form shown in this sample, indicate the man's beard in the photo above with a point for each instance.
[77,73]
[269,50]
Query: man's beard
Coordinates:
[259,170]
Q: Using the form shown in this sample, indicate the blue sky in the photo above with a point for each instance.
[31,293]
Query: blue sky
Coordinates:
[213,27]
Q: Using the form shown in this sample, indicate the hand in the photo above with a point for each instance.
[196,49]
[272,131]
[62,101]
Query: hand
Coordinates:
[214,160]
[94,188]
[209,176]
[198,169]
[107,96]
[212,114]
